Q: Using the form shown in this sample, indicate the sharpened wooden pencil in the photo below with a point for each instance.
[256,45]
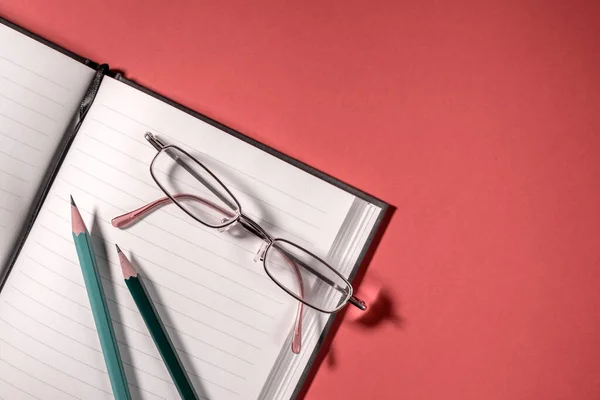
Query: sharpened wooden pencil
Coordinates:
[157,329]
[93,285]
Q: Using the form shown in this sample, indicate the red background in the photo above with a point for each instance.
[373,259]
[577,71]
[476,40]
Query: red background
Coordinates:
[478,121]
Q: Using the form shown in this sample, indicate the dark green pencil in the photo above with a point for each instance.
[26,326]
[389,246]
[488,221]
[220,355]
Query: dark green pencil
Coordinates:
[157,329]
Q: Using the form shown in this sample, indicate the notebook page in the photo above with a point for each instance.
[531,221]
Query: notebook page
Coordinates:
[227,319]
[40,90]
[344,255]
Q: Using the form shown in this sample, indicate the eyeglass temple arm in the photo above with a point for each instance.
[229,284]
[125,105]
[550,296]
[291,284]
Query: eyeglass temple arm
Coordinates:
[160,146]
[355,301]
[297,336]
[124,220]
[358,303]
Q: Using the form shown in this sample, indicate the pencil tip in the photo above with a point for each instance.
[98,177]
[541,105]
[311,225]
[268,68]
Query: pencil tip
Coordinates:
[118,248]
[77,224]
[126,267]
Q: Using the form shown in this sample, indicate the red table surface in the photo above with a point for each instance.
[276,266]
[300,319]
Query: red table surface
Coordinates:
[479,121]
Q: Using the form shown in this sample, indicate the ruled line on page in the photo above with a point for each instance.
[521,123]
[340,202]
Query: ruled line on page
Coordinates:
[187,297]
[145,164]
[38,112]
[207,288]
[89,365]
[9,192]
[176,142]
[81,324]
[203,323]
[18,159]
[266,279]
[253,271]
[116,266]
[124,288]
[25,125]
[22,332]
[36,73]
[186,220]
[123,134]
[154,187]
[234,263]
[46,345]
[128,326]
[121,323]
[49,366]
[228,184]
[13,176]
[50,328]
[31,90]
[219,161]
[78,322]
[204,267]
[74,359]
[106,165]
[18,388]
[80,342]
[253,290]
[124,343]
[177,274]
[19,141]
[35,377]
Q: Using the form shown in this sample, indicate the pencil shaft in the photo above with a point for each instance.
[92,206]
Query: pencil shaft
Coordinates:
[108,342]
[160,337]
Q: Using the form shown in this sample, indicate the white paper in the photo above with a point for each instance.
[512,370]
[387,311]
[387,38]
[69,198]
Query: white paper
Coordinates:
[40,90]
[227,319]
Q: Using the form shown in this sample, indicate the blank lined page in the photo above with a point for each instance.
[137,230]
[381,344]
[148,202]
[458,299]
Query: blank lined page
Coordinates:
[227,319]
[40,90]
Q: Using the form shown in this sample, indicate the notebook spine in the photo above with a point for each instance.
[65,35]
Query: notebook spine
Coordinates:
[61,152]
[90,94]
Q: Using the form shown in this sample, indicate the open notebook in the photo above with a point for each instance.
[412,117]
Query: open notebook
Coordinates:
[70,127]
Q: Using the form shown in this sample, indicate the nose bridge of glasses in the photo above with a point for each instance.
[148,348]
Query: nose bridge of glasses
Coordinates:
[254,228]
[259,232]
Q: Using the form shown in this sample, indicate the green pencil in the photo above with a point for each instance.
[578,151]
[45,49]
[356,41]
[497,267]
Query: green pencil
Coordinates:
[157,329]
[93,285]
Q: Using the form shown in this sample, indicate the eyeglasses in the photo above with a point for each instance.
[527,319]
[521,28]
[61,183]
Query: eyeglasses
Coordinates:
[191,186]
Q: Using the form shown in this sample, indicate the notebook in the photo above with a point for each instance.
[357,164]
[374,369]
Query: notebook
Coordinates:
[69,126]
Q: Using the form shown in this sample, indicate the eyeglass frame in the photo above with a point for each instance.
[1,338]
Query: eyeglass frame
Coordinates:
[249,225]
[254,228]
